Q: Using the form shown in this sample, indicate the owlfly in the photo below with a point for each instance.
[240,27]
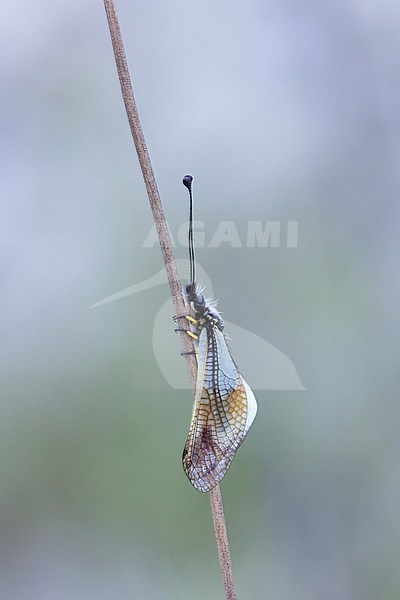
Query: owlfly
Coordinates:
[224,405]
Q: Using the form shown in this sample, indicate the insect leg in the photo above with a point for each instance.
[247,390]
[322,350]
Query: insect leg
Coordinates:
[190,333]
[190,352]
[187,317]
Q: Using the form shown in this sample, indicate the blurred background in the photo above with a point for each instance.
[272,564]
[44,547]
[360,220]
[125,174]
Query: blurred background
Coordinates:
[283,112]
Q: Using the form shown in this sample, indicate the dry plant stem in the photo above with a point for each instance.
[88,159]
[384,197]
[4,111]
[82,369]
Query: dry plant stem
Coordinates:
[148,173]
[221,535]
[170,267]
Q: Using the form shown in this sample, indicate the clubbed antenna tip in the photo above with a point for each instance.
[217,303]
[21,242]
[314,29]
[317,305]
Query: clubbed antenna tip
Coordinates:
[187,181]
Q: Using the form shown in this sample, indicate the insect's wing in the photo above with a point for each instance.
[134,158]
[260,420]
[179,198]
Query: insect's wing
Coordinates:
[230,372]
[224,408]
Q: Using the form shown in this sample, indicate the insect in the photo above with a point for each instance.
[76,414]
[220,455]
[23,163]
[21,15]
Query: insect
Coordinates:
[224,405]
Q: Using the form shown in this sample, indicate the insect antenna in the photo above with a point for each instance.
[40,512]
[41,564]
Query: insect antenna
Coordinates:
[187,182]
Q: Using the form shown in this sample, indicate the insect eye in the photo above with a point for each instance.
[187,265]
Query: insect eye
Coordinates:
[190,291]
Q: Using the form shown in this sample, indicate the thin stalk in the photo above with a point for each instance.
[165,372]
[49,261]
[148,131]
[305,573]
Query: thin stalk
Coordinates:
[217,510]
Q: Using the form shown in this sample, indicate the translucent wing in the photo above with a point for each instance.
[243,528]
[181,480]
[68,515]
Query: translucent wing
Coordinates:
[224,408]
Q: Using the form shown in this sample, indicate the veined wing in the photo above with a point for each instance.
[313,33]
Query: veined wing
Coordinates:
[224,408]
